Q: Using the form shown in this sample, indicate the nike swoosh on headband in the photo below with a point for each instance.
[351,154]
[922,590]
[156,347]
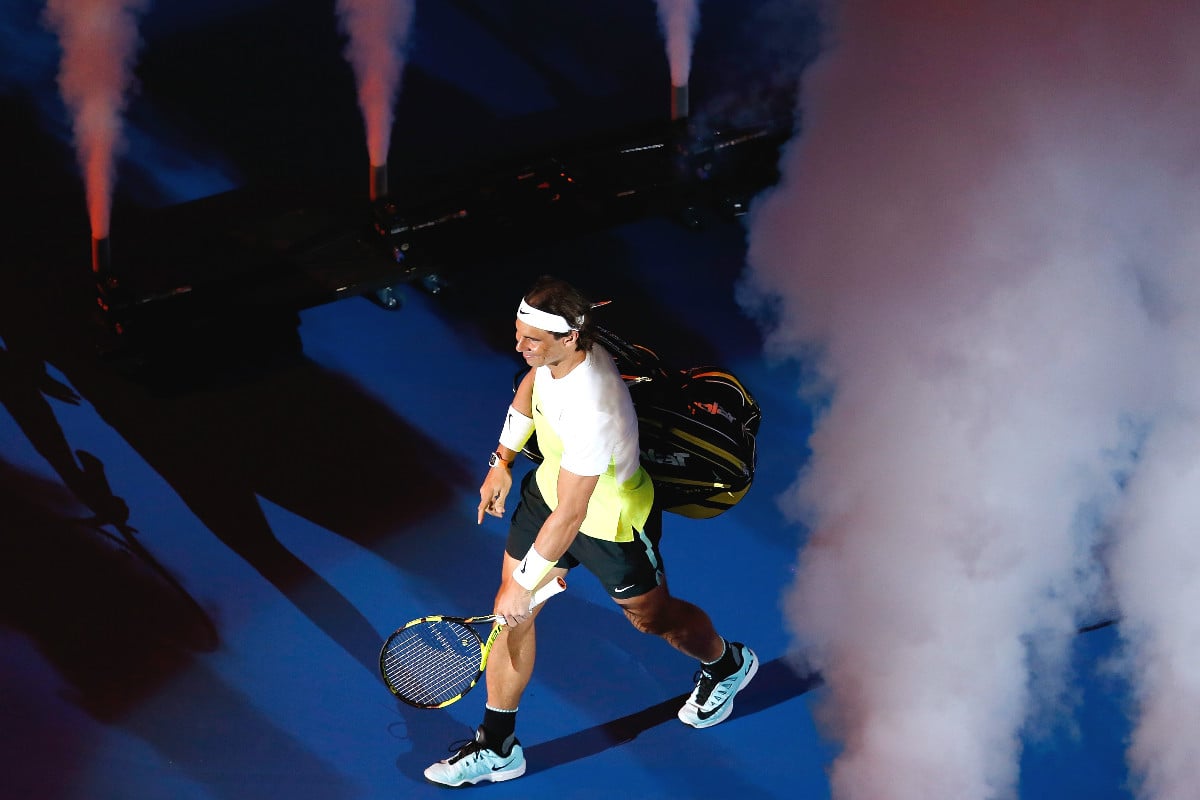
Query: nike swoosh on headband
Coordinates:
[554,323]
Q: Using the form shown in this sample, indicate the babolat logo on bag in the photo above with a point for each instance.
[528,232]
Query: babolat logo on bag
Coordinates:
[674,459]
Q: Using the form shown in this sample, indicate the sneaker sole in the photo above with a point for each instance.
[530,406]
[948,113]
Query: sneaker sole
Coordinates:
[726,709]
[491,777]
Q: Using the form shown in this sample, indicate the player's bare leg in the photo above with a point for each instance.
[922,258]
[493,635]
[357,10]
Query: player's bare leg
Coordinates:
[510,665]
[496,754]
[725,667]
[685,626]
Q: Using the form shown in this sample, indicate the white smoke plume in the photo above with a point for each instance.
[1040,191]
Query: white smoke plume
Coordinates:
[1156,563]
[679,20]
[99,40]
[378,34]
[985,246]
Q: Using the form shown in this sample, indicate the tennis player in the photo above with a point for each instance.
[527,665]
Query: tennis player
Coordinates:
[589,502]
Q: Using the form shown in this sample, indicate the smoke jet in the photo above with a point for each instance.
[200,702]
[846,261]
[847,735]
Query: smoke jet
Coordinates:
[99,40]
[983,247]
[377,31]
[679,20]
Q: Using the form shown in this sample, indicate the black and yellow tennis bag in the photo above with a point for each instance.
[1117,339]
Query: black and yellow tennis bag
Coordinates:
[698,440]
[697,429]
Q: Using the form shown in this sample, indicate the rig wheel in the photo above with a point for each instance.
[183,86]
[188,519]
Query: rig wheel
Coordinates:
[388,298]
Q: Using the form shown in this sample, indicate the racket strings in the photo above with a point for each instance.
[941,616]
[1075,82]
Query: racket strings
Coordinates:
[432,662]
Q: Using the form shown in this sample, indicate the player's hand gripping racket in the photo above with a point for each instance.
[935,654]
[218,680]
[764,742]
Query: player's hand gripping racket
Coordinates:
[433,661]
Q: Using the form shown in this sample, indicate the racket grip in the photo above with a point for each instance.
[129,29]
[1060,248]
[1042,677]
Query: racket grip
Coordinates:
[546,592]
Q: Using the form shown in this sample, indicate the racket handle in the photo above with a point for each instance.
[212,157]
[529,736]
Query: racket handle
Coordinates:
[546,592]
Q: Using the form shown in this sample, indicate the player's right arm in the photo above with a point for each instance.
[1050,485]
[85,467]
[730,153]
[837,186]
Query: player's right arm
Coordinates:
[496,485]
[523,397]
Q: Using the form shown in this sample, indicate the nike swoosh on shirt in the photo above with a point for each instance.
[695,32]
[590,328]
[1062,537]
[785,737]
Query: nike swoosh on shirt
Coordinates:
[622,589]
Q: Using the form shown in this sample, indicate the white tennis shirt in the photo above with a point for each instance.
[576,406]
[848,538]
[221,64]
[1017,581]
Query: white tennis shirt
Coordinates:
[586,423]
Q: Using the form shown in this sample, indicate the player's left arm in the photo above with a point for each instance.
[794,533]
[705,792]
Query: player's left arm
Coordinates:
[555,536]
[562,526]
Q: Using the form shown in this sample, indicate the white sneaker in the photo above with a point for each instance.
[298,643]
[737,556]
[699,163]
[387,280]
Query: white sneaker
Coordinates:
[475,763]
[712,700]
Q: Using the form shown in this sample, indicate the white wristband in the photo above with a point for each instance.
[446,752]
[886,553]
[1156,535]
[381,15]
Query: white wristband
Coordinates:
[531,570]
[516,431]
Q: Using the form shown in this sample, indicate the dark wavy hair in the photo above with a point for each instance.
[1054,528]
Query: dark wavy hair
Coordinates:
[556,296]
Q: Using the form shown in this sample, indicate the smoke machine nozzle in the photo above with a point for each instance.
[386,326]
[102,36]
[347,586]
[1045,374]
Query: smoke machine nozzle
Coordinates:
[679,102]
[379,181]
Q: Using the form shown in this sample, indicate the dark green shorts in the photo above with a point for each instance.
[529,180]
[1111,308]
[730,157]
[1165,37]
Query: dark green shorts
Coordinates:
[626,569]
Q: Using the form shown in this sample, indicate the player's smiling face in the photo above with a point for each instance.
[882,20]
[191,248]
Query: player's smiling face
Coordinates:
[542,348]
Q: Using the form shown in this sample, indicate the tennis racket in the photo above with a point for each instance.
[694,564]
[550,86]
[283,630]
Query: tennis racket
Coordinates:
[432,662]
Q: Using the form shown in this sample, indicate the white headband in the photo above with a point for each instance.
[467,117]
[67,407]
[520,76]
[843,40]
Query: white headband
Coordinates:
[545,320]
